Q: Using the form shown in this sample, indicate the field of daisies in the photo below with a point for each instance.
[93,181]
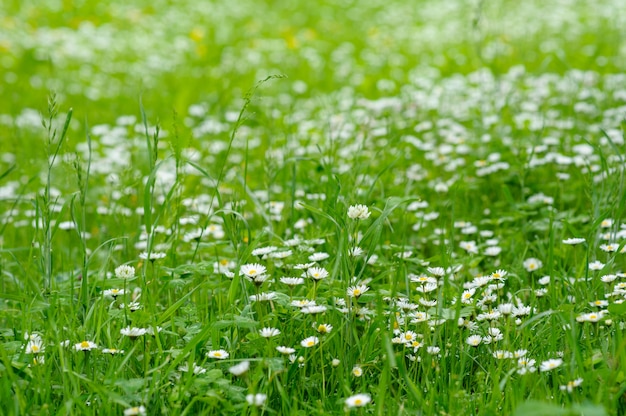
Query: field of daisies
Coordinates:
[312,208]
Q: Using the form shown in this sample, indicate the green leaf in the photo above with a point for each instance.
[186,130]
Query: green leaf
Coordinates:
[617,308]
[170,311]
[536,408]
[213,375]
[238,321]
[131,385]
[7,172]
[589,409]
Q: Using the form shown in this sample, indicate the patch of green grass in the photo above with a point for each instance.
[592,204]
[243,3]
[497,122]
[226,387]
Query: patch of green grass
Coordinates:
[292,208]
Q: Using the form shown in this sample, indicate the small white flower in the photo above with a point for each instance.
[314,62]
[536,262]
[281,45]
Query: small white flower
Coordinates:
[292,281]
[544,280]
[150,330]
[302,303]
[493,250]
[532,264]
[499,274]
[358,212]
[596,265]
[433,350]
[264,250]
[133,332]
[600,303]
[525,365]
[313,309]
[551,364]
[466,297]
[195,368]
[469,246]
[133,411]
[474,340]
[35,346]
[85,346]
[155,255]
[520,353]
[218,354]
[263,296]
[407,337]
[125,272]
[252,270]
[240,368]
[436,271]
[606,223]
[317,273]
[113,293]
[609,248]
[569,387]
[269,332]
[112,351]
[357,291]
[33,336]
[323,328]
[590,317]
[502,354]
[285,350]
[358,400]
[256,399]
[309,342]
[315,257]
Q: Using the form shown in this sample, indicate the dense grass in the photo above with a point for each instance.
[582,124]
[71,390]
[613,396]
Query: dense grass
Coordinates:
[445,183]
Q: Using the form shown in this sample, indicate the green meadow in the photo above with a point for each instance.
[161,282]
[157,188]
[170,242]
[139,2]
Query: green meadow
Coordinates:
[313,208]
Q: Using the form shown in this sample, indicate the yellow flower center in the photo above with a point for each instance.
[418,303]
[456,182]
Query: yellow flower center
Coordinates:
[84,344]
[356,292]
[218,354]
[358,402]
[35,348]
[310,343]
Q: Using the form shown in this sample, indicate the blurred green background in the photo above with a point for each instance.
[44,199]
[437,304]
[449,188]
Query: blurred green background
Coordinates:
[100,57]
